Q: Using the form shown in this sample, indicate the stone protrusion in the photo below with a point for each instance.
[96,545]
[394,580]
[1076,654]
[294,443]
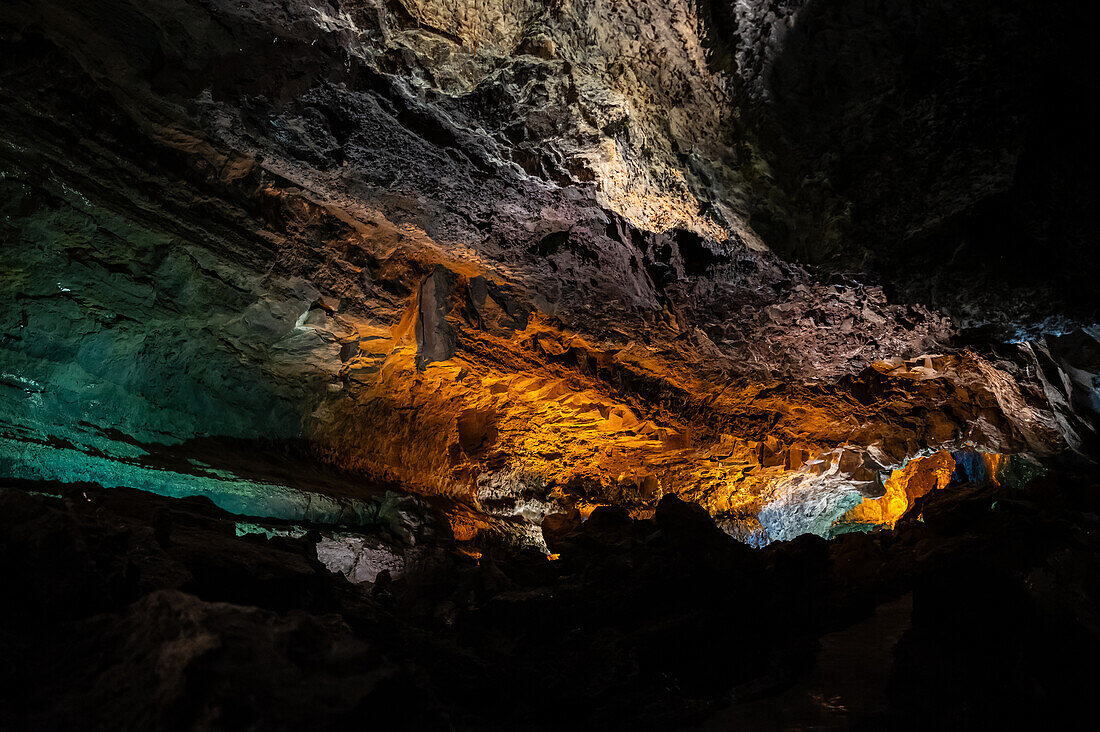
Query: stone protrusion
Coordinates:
[436,338]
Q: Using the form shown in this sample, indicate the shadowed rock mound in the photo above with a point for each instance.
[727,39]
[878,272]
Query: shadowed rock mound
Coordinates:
[118,616]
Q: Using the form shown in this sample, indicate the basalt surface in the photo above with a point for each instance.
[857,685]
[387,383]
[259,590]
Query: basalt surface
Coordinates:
[324,226]
[417,288]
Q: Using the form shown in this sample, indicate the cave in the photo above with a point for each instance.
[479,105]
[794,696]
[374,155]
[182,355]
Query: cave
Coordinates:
[548,365]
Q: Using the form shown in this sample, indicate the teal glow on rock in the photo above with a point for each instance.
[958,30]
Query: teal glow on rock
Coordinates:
[117,332]
[36,461]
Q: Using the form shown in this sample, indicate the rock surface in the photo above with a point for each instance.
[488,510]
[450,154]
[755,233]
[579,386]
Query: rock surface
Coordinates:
[332,241]
[480,327]
[938,145]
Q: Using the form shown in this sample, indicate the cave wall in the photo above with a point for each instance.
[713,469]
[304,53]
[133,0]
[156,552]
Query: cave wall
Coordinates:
[486,324]
[509,262]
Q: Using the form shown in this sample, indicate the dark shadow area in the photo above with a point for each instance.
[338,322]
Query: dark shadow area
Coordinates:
[945,148]
[126,609]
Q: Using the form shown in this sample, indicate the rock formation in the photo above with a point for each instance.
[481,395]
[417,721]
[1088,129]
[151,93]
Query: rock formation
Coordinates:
[410,288]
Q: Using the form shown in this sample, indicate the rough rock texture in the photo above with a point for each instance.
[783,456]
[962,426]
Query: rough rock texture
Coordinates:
[327,224]
[428,292]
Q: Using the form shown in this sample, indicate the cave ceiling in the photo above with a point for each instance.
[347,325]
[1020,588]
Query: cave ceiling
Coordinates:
[522,258]
[567,364]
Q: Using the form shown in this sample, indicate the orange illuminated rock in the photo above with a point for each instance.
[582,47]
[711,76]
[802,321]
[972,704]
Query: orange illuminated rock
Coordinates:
[919,477]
